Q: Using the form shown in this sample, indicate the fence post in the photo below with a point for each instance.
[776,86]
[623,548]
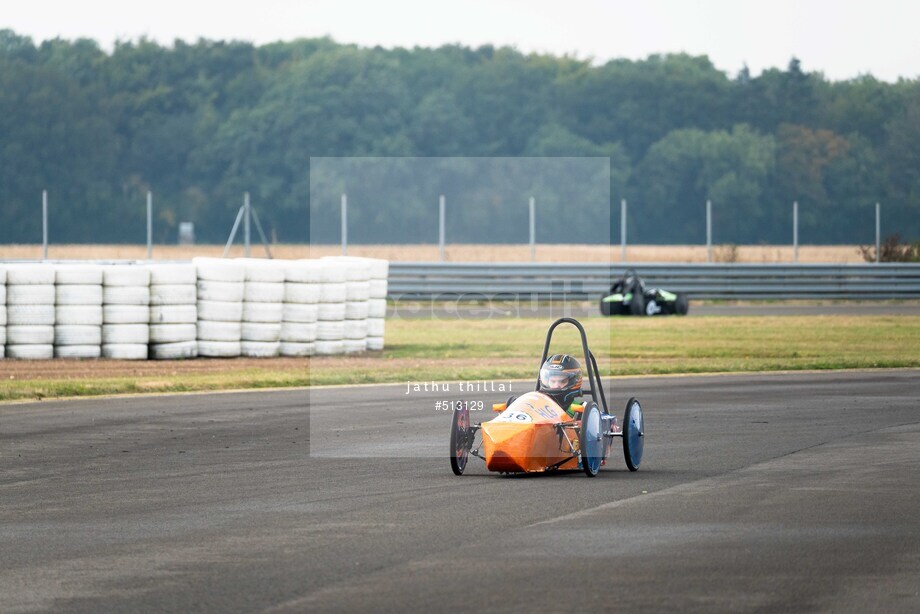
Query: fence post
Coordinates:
[44,224]
[623,230]
[533,230]
[878,232]
[246,224]
[708,231]
[344,225]
[795,231]
[441,228]
[149,225]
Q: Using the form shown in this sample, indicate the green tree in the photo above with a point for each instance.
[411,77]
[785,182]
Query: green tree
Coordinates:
[439,126]
[901,152]
[54,136]
[200,122]
[776,97]
[638,103]
[688,167]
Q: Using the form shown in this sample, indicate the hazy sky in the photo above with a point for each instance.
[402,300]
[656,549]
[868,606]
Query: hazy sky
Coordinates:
[842,38]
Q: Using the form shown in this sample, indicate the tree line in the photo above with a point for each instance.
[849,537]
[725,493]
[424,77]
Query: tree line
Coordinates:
[200,123]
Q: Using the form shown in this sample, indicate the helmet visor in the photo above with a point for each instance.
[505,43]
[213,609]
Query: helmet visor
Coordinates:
[559,379]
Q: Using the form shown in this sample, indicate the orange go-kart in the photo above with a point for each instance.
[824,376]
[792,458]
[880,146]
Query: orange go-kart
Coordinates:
[532,433]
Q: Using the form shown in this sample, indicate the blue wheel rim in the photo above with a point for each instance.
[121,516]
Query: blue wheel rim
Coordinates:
[593,448]
[635,428]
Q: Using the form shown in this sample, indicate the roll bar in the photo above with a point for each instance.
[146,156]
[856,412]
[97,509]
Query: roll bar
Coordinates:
[594,377]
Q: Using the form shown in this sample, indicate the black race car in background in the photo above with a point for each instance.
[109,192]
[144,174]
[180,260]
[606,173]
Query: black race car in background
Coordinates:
[629,296]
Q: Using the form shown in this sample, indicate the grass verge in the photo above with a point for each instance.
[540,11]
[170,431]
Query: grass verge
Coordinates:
[507,348]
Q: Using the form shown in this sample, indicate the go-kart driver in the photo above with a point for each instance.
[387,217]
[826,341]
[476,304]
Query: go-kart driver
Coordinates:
[630,282]
[560,379]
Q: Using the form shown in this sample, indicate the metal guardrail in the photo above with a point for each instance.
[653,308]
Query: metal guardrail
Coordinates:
[475,281]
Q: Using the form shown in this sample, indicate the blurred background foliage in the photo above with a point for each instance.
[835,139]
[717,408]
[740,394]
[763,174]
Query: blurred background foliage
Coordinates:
[199,123]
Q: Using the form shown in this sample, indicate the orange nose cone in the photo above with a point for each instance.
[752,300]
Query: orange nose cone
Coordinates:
[507,446]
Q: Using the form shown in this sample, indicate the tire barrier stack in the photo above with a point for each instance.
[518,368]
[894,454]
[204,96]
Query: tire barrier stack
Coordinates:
[173,311]
[2,312]
[357,294]
[377,304]
[125,312]
[365,306]
[330,311]
[210,307]
[30,311]
[263,305]
[299,314]
[78,311]
[220,307]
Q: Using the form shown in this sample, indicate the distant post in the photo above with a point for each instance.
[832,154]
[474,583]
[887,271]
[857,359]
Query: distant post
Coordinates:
[344,225]
[623,230]
[246,224]
[149,225]
[795,231]
[878,232]
[441,228]
[44,224]
[533,230]
[708,231]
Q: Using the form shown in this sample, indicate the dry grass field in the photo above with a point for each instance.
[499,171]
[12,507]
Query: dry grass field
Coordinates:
[830,254]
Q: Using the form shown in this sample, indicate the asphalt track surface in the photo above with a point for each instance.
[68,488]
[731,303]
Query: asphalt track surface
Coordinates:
[783,492]
[447,310]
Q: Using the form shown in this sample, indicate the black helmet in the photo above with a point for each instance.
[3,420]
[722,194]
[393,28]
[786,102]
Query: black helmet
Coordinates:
[632,282]
[560,379]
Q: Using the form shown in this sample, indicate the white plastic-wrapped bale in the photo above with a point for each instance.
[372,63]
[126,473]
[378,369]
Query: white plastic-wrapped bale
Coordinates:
[78,311]
[263,306]
[300,312]
[29,311]
[173,311]
[125,311]
[220,289]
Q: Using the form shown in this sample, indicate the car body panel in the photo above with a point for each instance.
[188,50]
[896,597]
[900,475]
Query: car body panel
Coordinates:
[524,437]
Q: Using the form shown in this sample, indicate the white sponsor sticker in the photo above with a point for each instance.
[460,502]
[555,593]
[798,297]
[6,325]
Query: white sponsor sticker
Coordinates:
[513,415]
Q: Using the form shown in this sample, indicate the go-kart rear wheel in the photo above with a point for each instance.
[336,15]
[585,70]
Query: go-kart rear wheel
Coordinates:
[591,440]
[460,440]
[633,434]
[608,308]
[682,305]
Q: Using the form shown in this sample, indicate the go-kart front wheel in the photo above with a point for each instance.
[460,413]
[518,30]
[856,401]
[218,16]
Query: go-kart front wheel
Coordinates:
[460,439]
[591,440]
[637,304]
[633,434]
